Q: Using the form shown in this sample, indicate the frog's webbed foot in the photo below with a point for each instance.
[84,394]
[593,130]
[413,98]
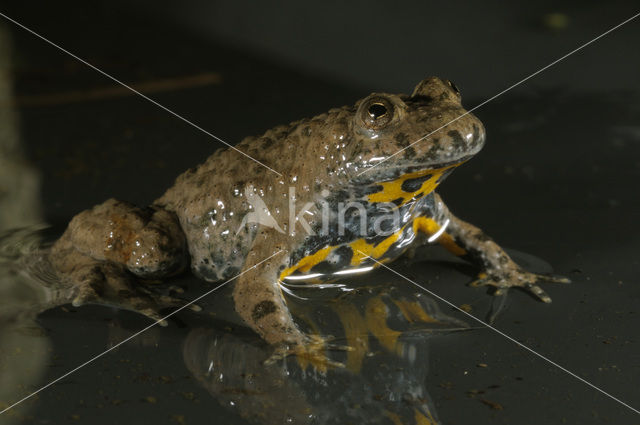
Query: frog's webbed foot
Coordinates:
[311,352]
[518,278]
[103,282]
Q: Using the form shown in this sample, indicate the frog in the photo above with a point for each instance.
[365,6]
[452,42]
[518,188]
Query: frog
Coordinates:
[383,157]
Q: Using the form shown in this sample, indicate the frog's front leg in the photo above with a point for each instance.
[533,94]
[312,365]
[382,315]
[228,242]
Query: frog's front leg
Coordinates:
[106,249]
[258,298]
[260,301]
[470,243]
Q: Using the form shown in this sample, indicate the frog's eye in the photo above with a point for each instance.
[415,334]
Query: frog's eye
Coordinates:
[376,112]
[453,86]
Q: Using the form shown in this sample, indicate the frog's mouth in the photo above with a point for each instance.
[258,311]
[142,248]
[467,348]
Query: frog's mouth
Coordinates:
[410,183]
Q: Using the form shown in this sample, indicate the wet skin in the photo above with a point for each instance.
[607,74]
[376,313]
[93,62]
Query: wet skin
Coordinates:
[109,252]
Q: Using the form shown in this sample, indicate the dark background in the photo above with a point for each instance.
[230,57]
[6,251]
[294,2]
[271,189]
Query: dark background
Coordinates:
[558,178]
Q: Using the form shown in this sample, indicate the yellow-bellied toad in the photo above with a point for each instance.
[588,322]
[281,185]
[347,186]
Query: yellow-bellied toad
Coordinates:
[361,157]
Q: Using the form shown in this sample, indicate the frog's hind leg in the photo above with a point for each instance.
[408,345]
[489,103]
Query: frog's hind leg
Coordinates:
[106,248]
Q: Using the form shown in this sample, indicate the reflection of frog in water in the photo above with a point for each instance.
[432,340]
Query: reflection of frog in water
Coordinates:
[199,219]
[386,388]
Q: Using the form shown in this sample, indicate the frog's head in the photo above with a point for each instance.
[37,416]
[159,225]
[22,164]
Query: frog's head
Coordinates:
[408,144]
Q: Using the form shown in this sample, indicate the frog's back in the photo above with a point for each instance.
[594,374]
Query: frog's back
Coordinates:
[211,202]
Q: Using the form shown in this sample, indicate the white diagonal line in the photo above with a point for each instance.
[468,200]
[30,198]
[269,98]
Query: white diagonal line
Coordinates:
[134,335]
[175,114]
[499,332]
[506,90]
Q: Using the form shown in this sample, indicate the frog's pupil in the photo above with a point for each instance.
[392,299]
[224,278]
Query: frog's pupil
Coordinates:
[377,110]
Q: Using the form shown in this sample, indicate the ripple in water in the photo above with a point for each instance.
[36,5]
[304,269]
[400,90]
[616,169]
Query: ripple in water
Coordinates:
[26,251]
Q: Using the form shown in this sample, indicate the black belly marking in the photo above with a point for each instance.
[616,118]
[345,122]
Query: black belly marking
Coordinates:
[262,309]
[339,259]
[413,185]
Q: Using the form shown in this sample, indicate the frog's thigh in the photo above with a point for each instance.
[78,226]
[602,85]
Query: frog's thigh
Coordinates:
[148,242]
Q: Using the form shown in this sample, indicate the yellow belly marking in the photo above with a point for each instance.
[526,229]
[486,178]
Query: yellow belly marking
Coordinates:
[362,249]
[376,317]
[421,419]
[430,227]
[357,333]
[306,263]
[413,312]
[392,190]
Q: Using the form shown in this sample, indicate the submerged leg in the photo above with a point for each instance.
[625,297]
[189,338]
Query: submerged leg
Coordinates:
[105,248]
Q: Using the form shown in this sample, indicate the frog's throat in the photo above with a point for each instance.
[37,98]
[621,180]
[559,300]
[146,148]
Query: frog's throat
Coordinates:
[410,186]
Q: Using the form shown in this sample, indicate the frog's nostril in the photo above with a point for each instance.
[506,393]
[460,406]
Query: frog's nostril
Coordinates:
[453,86]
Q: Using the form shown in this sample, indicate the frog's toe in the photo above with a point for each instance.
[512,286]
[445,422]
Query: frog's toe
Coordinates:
[153,314]
[312,352]
[529,282]
[175,289]
[167,301]
[317,359]
[162,297]
[151,305]
[537,291]
[482,280]
[338,347]
[518,279]
[553,278]
[500,292]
